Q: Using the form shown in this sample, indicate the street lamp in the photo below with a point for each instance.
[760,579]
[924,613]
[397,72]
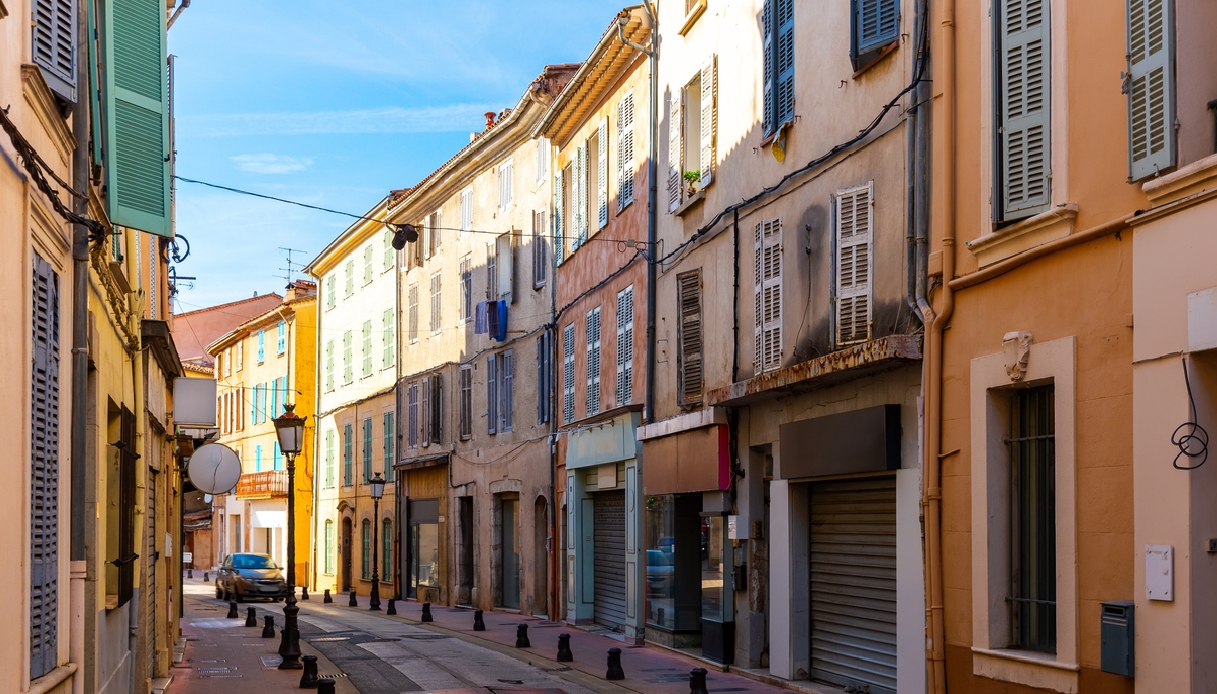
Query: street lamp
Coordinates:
[378,490]
[290,430]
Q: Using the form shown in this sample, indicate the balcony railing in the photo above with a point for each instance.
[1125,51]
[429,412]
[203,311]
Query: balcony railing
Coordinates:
[271,484]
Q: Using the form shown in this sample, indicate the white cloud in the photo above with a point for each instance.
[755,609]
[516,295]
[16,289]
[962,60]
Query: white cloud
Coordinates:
[427,119]
[271,163]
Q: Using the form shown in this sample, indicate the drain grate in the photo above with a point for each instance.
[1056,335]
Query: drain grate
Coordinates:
[332,638]
[216,677]
[423,637]
[214,670]
[332,676]
[192,660]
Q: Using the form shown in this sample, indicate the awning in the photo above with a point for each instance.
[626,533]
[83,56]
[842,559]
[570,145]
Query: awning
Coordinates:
[421,462]
[697,460]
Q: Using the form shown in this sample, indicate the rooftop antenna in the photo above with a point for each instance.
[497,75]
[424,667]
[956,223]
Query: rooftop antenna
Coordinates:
[289,270]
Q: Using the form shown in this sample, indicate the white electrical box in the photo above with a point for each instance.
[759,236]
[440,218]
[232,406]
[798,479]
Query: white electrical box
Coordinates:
[737,528]
[1159,572]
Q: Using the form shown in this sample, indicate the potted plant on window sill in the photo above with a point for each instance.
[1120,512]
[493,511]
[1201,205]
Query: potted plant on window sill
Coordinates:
[692,180]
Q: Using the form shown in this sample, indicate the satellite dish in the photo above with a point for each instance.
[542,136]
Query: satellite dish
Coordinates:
[214,469]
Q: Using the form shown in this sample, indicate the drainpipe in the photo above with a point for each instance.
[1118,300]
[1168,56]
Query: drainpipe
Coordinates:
[912,132]
[931,485]
[735,297]
[555,557]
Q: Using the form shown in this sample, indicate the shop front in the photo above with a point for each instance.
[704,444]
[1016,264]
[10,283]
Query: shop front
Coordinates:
[422,513]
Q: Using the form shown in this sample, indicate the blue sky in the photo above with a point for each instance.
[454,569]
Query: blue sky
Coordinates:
[334,104]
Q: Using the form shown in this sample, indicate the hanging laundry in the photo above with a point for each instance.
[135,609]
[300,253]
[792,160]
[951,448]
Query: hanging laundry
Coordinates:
[479,319]
[498,320]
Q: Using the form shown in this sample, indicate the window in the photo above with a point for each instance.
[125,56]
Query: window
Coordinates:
[542,159]
[466,402]
[560,217]
[412,415]
[466,289]
[329,366]
[276,458]
[544,377]
[228,366]
[492,394]
[505,192]
[876,24]
[504,271]
[1032,449]
[435,304]
[329,547]
[767,296]
[592,395]
[331,291]
[120,583]
[855,215]
[1023,113]
[367,450]
[389,358]
[598,167]
[387,251]
[578,200]
[778,64]
[432,409]
[412,312]
[348,455]
[368,254]
[329,459]
[350,278]
[367,348]
[388,433]
[625,152]
[365,532]
[466,210]
[1151,87]
[273,410]
[689,369]
[434,222]
[625,346]
[261,346]
[540,259]
[506,389]
[419,247]
[692,129]
[492,271]
[240,357]
[568,374]
[386,550]
[281,338]
[347,358]
[44,471]
[54,53]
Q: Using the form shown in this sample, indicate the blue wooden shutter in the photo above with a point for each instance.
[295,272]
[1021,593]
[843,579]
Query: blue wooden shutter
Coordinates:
[136,115]
[876,24]
[1151,87]
[282,337]
[366,564]
[274,399]
[784,85]
[767,77]
[1025,122]
[258,458]
[507,391]
[44,471]
[261,346]
[54,44]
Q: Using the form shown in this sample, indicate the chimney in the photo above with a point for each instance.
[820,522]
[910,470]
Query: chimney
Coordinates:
[489,119]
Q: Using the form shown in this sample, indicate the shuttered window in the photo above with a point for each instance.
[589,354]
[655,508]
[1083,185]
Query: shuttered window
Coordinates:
[127,459]
[709,119]
[592,394]
[258,458]
[580,201]
[261,346]
[281,338]
[767,295]
[331,291]
[54,45]
[329,461]
[507,367]
[492,395]
[676,151]
[367,348]
[412,428]
[424,406]
[348,368]
[386,551]
[1150,87]
[466,289]
[778,78]
[389,358]
[854,232]
[136,114]
[412,312]
[436,304]
[568,374]
[387,250]
[368,254]
[466,210]
[434,225]
[689,370]
[625,346]
[540,259]
[492,271]
[388,434]
[625,151]
[365,567]
[505,184]
[544,377]
[350,278]
[1024,117]
[44,471]
[876,23]
[466,402]
[329,547]
[329,365]
[602,187]
[559,218]
[367,450]
[348,455]
[505,266]
[435,409]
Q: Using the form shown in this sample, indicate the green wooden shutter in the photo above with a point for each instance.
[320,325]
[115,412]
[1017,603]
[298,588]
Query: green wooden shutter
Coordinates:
[136,115]
[389,434]
[44,472]
[329,463]
[1025,130]
[367,449]
[54,44]
[1151,87]
[347,455]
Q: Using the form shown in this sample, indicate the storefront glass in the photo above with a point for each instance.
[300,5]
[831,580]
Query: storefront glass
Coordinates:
[672,523]
[423,545]
[713,530]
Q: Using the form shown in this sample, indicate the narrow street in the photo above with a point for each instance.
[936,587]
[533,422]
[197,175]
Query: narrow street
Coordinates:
[373,653]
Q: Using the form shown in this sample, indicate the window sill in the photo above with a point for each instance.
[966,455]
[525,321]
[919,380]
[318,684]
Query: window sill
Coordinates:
[776,132]
[693,201]
[1008,242]
[691,18]
[1025,667]
[876,59]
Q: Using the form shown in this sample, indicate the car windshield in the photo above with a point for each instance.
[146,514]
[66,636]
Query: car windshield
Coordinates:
[657,558]
[252,561]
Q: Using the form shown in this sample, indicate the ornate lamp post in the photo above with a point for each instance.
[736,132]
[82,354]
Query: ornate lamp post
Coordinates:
[290,430]
[378,490]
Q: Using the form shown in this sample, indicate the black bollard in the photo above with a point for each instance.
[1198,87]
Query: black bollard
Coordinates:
[353,602]
[392,607]
[564,654]
[522,636]
[205,578]
[305,595]
[614,665]
[325,685]
[251,617]
[697,681]
[427,613]
[308,678]
[189,573]
[326,598]
[232,610]
[478,624]
[268,631]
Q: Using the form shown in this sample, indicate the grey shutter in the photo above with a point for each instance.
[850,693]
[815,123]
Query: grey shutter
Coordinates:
[592,400]
[625,346]
[581,221]
[625,151]
[559,219]
[690,355]
[466,414]
[54,42]
[425,404]
[568,374]
[1151,87]
[506,391]
[412,415]
[1025,114]
[492,395]
[767,75]
[44,471]
[676,164]
[853,584]
[609,558]
[784,85]
[876,24]
[709,119]
[602,150]
[855,217]
[544,382]
[437,408]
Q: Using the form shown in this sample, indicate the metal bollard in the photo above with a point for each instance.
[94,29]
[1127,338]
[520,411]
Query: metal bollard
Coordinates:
[478,624]
[325,685]
[614,665]
[251,617]
[697,681]
[189,573]
[427,613]
[232,610]
[353,602]
[564,654]
[268,631]
[308,678]
[327,598]
[305,594]
[205,578]
[392,607]
[522,636]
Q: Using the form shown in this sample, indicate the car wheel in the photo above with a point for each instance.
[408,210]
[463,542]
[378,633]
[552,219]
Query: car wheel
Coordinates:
[219,593]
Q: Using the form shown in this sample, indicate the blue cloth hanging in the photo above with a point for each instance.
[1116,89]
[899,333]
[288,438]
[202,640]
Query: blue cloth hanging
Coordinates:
[498,320]
[479,319]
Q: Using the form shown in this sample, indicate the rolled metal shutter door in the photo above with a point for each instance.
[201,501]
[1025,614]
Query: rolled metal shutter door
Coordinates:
[853,583]
[609,558]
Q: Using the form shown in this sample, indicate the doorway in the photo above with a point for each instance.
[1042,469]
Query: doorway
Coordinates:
[347,531]
[509,552]
[464,558]
[540,553]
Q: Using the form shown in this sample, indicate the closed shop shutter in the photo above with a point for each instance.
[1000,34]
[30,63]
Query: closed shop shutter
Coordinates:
[609,558]
[853,583]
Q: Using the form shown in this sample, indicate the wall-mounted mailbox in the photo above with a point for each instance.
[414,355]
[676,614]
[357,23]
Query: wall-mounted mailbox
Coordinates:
[1118,635]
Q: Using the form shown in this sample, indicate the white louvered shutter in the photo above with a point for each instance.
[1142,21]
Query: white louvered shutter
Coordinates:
[505,267]
[625,346]
[1025,117]
[625,151]
[676,162]
[492,395]
[855,219]
[709,118]
[466,211]
[602,187]
[559,219]
[581,212]
[593,362]
[44,472]
[54,44]
[690,355]
[1151,87]
[768,295]
[568,374]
